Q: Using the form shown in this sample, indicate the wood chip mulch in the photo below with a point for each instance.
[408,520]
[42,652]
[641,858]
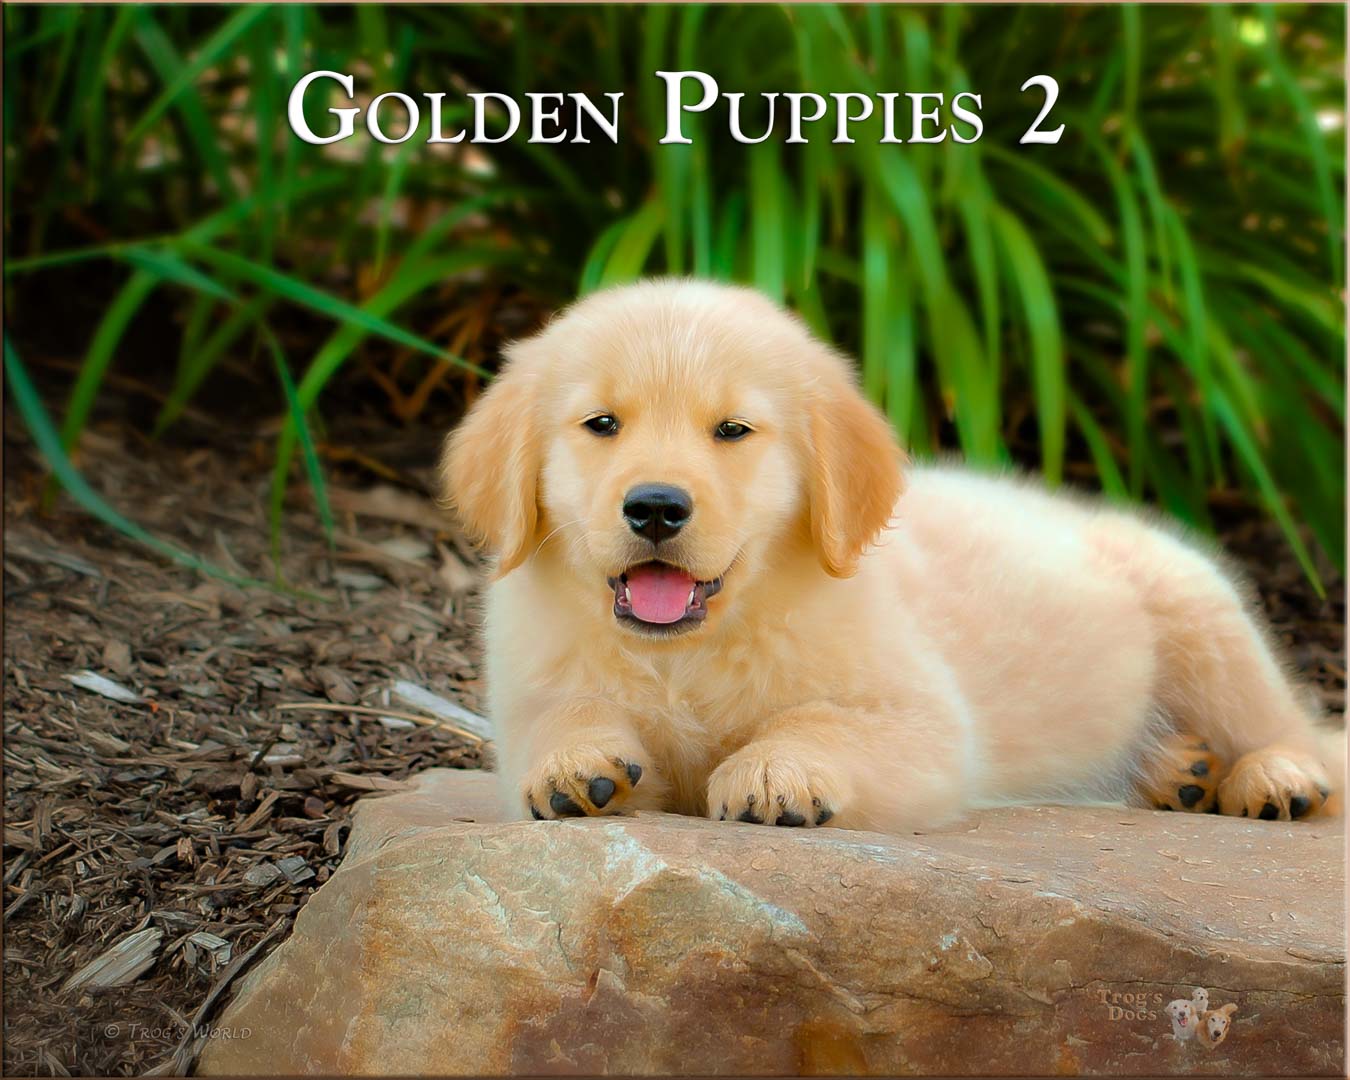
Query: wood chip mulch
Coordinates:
[156,848]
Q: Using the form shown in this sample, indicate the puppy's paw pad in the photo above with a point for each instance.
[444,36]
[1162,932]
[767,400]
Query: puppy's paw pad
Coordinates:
[580,782]
[1274,784]
[771,787]
[1183,774]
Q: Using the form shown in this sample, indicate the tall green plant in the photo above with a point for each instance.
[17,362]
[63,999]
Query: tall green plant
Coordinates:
[1160,294]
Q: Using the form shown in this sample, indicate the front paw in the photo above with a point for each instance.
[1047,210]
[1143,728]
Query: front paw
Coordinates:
[775,785]
[581,781]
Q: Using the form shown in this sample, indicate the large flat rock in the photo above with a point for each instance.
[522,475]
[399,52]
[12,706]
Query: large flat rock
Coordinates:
[1039,940]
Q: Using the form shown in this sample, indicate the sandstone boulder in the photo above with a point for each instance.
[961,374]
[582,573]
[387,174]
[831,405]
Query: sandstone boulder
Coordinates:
[1022,941]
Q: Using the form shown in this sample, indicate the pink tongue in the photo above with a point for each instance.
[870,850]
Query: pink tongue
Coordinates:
[660,594]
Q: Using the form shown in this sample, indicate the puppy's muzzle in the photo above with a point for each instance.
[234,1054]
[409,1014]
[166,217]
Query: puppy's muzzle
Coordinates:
[657,512]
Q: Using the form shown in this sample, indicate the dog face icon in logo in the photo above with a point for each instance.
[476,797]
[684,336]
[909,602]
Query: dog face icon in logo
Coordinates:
[1184,1018]
[1214,1026]
[1194,1021]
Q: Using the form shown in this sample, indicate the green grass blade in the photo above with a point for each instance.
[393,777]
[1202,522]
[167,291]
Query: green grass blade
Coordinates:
[169,267]
[593,267]
[306,295]
[634,245]
[198,363]
[210,52]
[1250,455]
[1315,141]
[769,220]
[878,240]
[108,334]
[1027,271]
[308,454]
[50,445]
[1136,312]
[159,49]
[409,281]
[1108,471]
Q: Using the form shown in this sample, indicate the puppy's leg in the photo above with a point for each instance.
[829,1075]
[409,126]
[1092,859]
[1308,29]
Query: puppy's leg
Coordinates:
[1219,680]
[821,764]
[584,758]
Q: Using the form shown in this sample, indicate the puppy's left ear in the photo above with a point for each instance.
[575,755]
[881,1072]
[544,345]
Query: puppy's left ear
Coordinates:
[855,470]
[490,467]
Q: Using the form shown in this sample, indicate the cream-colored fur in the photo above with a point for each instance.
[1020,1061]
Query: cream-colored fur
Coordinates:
[877,658]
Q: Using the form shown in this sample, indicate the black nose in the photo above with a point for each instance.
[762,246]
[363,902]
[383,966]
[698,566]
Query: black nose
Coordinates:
[657,511]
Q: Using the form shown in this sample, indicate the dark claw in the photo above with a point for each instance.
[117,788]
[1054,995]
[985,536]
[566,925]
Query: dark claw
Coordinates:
[825,814]
[1299,805]
[1163,806]
[1324,792]
[1244,811]
[563,805]
[749,815]
[634,773]
[1190,794]
[600,791]
[790,818]
[1200,768]
[1270,812]
[534,812]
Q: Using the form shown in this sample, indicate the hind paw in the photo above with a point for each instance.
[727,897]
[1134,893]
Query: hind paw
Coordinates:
[1274,784]
[1183,775]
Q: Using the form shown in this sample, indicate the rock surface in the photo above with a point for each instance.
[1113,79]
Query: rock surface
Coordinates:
[1032,940]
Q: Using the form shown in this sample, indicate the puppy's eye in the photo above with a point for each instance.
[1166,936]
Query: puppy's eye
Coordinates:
[731,430]
[604,424]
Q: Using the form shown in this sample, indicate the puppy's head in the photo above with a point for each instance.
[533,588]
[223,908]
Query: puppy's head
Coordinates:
[670,443]
[1182,1012]
[1217,1023]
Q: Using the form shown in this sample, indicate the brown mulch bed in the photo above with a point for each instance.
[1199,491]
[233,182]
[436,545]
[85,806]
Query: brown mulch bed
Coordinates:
[203,818]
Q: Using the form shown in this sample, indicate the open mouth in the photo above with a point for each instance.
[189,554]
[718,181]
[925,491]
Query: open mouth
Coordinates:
[660,597]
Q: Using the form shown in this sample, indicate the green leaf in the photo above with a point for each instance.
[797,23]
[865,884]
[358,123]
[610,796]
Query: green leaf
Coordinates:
[165,59]
[209,54]
[1250,455]
[1027,272]
[169,267]
[107,336]
[634,244]
[307,452]
[769,220]
[1108,471]
[299,292]
[50,445]
[197,363]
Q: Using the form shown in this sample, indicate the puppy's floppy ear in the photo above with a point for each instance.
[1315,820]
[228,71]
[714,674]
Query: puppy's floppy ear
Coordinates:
[491,463]
[855,474]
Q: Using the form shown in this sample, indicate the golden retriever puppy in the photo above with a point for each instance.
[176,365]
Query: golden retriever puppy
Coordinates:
[719,590]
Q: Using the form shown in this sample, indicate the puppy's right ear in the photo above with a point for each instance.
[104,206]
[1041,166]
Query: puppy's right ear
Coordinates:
[490,467]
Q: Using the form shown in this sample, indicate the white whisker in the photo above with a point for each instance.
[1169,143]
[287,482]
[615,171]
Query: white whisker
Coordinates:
[551,535]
